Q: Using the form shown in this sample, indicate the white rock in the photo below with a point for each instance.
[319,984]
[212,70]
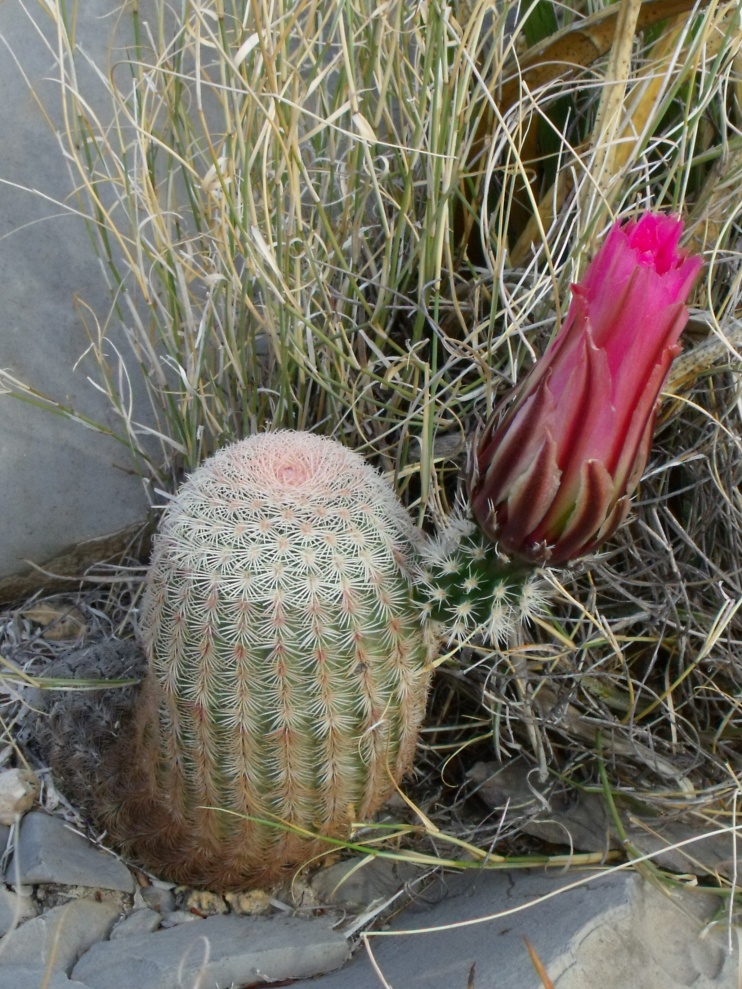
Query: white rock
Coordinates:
[205,903]
[176,918]
[19,789]
[252,902]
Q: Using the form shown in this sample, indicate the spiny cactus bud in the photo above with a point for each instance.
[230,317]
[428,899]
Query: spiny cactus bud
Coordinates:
[288,663]
[469,592]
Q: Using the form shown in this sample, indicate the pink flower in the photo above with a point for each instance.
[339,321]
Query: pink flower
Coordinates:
[558,463]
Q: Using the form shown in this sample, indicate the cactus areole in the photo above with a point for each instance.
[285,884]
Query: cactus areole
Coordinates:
[288,664]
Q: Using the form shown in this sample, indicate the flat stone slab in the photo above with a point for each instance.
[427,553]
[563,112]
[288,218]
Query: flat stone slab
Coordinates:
[49,852]
[58,937]
[21,977]
[217,951]
[61,484]
[615,931]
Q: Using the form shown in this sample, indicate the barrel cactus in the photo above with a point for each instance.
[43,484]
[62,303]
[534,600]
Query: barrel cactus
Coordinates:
[288,665]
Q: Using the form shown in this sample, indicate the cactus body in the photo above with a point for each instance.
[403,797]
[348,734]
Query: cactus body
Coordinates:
[288,664]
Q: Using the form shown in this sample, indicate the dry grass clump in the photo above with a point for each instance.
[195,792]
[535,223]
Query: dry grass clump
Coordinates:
[363,219]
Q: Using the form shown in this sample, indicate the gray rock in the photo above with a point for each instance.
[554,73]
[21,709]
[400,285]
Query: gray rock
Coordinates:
[48,852]
[14,909]
[20,977]
[60,936]
[686,846]
[581,821]
[218,951]
[354,886]
[614,931]
[61,484]
[561,817]
[156,898]
[138,922]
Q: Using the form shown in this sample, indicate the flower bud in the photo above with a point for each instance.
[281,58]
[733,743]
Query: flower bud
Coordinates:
[554,471]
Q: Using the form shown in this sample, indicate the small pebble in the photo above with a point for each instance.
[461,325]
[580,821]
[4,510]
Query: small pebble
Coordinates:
[155,897]
[205,903]
[298,894]
[143,921]
[253,903]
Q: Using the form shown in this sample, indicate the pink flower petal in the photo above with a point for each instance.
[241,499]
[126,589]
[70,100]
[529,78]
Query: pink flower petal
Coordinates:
[594,502]
[530,496]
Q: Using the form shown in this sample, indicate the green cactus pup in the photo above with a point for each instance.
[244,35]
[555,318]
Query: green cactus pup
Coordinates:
[288,665]
[469,591]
